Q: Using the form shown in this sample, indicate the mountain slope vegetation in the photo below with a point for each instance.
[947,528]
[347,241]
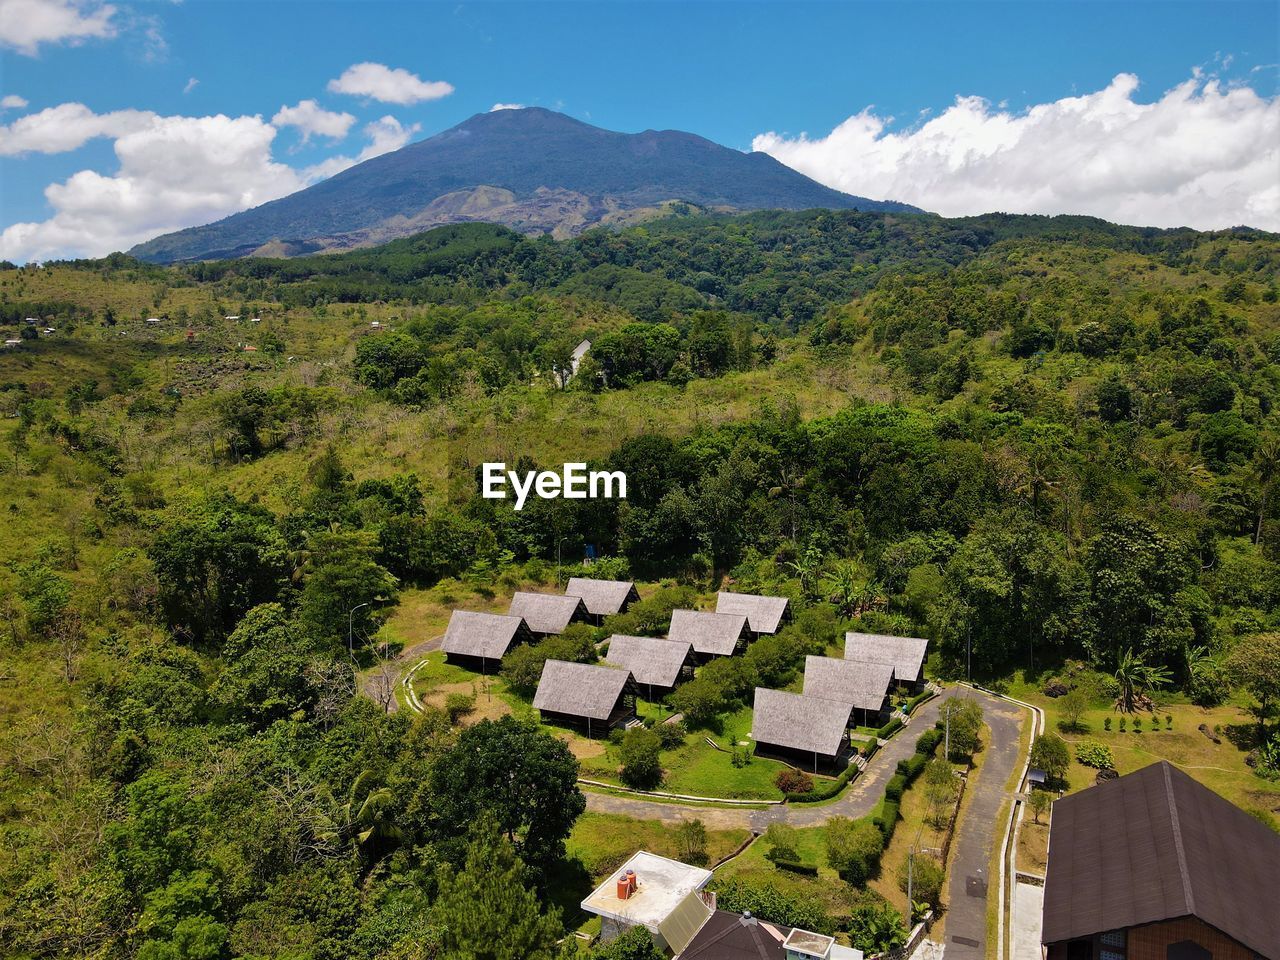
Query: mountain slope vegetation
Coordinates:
[1050,445]
[532,169]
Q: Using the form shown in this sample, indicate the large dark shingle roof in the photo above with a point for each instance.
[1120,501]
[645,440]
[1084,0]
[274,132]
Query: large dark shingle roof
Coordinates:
[797,722]
[601,597]
[1156,845]
[653,660]
[487,635]
[580,689]
[764,614]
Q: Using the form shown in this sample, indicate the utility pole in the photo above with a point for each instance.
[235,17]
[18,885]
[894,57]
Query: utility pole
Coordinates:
[946,739]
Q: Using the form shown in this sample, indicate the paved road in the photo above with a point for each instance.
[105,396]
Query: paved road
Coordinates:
[857,801]
[968,882]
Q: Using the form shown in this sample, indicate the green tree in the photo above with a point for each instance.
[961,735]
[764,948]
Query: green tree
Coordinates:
[488,910]
[1050,754]
[340,576]
[1039,801]
[516,773]
[854,848]
[640,752]
[783,841]
[265,661]
[965,726]
[1072,706]
[1255,665]
[927,878]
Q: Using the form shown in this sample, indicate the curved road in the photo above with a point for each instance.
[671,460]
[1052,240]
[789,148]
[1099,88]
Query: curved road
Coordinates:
[977,836]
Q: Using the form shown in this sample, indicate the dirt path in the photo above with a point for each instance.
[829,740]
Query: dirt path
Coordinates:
[406,658]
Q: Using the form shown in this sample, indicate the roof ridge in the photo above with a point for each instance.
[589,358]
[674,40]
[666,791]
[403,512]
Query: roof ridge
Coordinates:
[1183,873]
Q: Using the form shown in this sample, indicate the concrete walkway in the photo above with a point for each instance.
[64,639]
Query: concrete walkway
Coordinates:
[969,885]
[1028,906]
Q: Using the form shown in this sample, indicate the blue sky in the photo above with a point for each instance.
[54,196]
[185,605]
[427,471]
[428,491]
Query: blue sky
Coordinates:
[728,71]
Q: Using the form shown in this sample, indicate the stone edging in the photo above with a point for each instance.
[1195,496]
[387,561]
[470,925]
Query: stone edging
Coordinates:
[679,796]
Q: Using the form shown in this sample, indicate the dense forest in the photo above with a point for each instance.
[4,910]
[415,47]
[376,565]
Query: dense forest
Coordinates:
[1037,441]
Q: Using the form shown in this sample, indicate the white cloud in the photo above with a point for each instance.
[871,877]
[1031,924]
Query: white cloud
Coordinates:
[192,83]
[66,127]
[385,134]
[380,82]
[1204,155]
[310,118]
[175,172]
[26,24]
[506,106]
[13,102]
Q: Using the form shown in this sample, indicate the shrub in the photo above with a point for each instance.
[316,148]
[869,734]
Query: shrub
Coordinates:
[691,841]
[1106,724]
[889,729]
[928,742]
[793,781]
[781,838]
[927,878]
[458,705]
[1137,724]
[854,848]
[887,819]
[774,905]
[639,753]
[894,788]
[1055,688]
[1168,721]
[1094,754]
[1122,724]
[671,734]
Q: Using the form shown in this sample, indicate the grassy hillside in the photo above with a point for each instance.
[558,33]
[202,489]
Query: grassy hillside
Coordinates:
[1050,443]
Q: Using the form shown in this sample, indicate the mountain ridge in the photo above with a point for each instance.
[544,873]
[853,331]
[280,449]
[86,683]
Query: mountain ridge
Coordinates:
[552,173]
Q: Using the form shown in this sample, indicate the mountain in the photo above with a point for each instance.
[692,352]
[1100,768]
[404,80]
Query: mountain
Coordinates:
[533,170]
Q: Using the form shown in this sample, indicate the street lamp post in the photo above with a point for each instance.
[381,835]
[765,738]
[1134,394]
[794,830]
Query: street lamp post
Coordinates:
[351,627]
[559,545]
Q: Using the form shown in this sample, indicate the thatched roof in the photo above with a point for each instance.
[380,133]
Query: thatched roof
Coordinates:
[602,597]
[487,635]
[862,685]
[650,659]
[764,614]
[798,722]
[547,612]
[906,654]
[709,633]
[580,689]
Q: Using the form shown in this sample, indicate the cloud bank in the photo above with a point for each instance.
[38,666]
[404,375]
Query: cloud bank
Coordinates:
[26,24]
[1204,155]
[173,172]
[379,82]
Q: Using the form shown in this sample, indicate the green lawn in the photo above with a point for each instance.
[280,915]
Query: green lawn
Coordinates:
[603,841]
[1221,767]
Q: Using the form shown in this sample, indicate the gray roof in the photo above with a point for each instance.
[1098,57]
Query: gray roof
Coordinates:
[863,685]
[602,597]
[650,659]
[1156,845]
[580,689]
[488,635]
[906,654]
[764,614]
[546,612]
[799,722]
[715,633]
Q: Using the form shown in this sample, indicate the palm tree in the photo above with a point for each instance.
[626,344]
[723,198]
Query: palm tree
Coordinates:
[365,817]
[1136,677]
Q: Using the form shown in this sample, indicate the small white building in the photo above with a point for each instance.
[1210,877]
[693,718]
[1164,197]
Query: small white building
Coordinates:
[153,320]
[255,319]
[232,316]
[12,343]
[662,895]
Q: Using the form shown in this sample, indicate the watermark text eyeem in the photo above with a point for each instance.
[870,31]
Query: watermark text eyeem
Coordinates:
[573,482]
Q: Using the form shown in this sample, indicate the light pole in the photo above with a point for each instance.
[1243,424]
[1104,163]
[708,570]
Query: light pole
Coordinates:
[559,544]
[351,625]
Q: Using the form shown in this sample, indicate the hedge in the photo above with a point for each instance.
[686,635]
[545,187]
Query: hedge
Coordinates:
[826,790]
[889,729]
[795,866]
[887,819]
[918,699]
[929,741]
[894,788]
